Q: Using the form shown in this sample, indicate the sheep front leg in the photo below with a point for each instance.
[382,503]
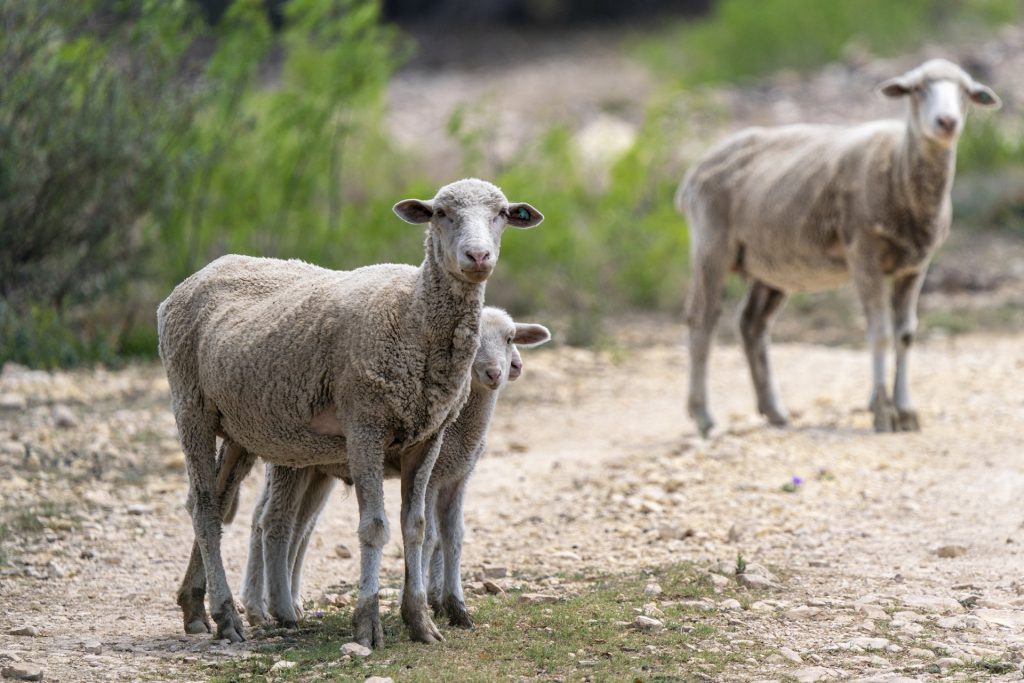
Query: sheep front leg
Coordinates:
[366,464]
[450,512]
[432,552]
[905,291]
[417,465]
[870,283]
[759,308]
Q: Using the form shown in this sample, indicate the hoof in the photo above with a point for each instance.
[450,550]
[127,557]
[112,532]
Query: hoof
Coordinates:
[256,616]
[229,623]
[776,418]
[886,418]
[908,420]
[197,626]
[289,624]
[458,615]
[422,628]
[366,621]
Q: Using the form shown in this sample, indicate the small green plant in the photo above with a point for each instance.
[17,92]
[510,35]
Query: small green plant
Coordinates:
[741,564]
[793,485]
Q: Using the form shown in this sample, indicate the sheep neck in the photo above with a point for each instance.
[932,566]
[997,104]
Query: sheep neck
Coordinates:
[924,177]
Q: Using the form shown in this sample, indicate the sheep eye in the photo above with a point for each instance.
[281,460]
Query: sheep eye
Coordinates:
[509,340]
[503,213]
[440,213]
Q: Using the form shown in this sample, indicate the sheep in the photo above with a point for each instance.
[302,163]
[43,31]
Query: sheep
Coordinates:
[361,370]
[292,499]
[808,207]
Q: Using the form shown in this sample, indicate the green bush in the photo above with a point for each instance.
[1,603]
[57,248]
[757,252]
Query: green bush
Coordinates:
[742,39]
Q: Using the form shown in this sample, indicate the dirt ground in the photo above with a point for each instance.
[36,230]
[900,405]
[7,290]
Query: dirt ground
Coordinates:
[592,464]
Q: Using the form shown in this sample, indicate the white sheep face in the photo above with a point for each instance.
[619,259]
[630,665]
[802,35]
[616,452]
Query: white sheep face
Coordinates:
[938,93]
[497,358]
[467,219]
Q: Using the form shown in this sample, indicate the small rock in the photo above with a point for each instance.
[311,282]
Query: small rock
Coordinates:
[13,402]
[671,532]
[22,671]
[342,551]
[719,581]
[652,589]
[538,598]
[282,665]
[651,610]
[139,508]
[730,604]
[868,644]
[921,653]
[494,572]
[356,650]
[813,674]
[63,417]
[92,647]
[756,581]
[24,631]
[947,662]
[567,555]
[734,534]
[493,588]
[1001,617]
[951,551]
[761,606]
[791,655]
[587,662]
[724,568]
[642,623]
[936,605]
[379,679]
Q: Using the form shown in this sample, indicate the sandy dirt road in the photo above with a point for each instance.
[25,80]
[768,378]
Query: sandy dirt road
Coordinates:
[592,465]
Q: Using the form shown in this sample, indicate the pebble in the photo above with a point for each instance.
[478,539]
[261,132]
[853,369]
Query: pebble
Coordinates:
[718,581]
[1001,617]
[642,623]
[139,508]
[12,401]
[93,647]
[652,589]
[493,588]
[812,674]
[24,631]
[731,604]
[949,551]
[342,551]
[379,679]
[567,555]
[494,572]
[921,653]
[802,612]
[947,662]
[22,671]
[756,581]
[282,665]
[791,655]
[538,598]
[936,605]
[355,650]
[651,610]
[869,644]
[63,417]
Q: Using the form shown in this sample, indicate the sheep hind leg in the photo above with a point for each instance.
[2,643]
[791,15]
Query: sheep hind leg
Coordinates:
[761,305]
[452,529]
[707,287]
[198,441]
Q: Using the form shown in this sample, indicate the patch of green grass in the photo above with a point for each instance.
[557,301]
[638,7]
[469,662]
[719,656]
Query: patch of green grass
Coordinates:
[3,539]
[36,518]
[582,636]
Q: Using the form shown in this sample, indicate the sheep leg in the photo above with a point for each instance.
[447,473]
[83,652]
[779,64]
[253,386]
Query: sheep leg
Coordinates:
[198,440]
[254,585]
[432,552]
[417,465]
[904,303]
[319,488]
[288,487]
[870,284]
[366,463]
[452,530]
[233,465]
[761,305]
[707,286]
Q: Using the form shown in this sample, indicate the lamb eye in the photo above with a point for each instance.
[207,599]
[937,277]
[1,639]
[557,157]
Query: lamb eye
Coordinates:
[440,213]
[508,340]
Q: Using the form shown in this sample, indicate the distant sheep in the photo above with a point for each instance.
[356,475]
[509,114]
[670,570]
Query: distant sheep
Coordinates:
[808,207]
[292,498]
[361,370]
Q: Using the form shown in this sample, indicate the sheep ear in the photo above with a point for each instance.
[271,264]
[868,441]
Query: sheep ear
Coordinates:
[522,215]
[531,335]
[414,211]
[896,87]
[983,96]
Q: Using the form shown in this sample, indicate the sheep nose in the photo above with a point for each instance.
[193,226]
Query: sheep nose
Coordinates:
[493,374]
[946,122]
[478,257]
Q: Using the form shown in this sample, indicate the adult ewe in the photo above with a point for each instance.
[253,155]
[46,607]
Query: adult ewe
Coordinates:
[361,369]
[292,498]
[803,208]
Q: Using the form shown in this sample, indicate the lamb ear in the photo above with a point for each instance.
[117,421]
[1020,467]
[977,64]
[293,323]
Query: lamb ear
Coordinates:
[522,215]
[531,335]
[983,96]
[414,211]
[896,87]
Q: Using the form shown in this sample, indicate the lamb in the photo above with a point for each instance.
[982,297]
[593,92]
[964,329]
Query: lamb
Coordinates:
[808,207]
[292,499]
[361,370]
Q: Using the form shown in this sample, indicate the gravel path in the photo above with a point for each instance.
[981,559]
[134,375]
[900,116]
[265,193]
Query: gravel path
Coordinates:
[896,552]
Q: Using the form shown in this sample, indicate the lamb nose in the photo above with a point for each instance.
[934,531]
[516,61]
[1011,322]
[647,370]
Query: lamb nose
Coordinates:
[946,123]
[493,374]
[478,256]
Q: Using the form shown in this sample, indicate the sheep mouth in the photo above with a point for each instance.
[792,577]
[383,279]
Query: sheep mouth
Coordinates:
[477,275]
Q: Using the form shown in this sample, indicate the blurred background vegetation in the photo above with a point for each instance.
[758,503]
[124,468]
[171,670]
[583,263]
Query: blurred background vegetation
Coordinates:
[140,139]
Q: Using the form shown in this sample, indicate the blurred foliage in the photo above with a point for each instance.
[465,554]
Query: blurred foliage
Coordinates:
[742,39]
